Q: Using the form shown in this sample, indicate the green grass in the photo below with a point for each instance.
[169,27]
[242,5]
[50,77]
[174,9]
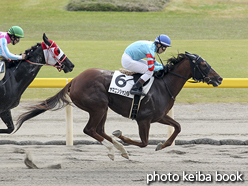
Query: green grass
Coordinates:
[213,29]
[39,16]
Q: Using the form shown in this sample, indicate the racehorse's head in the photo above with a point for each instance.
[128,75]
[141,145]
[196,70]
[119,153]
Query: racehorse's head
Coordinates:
[54,56]
[202,71]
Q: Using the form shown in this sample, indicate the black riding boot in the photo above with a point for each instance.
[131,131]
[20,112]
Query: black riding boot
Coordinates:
[137,88]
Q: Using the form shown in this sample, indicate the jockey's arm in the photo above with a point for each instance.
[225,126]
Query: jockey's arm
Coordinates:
[150,62]
[157,63]
[4,51]
[153,65]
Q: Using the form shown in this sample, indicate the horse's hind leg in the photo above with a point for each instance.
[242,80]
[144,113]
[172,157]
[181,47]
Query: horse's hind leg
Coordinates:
[7,119]
[117,145]
[98,119]
[169,121]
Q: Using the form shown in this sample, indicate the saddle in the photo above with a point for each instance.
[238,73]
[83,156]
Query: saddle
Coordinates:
[2,69]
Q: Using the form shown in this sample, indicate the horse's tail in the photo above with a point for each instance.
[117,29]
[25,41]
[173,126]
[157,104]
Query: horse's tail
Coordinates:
[55,102]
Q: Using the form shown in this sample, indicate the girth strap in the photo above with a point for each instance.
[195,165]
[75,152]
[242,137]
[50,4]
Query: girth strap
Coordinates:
[135,107]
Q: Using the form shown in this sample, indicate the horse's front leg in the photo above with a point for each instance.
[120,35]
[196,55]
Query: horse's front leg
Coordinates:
[144,128]
[7,119]
[169,121]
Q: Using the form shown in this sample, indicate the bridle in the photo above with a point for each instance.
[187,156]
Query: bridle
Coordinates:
[54,53]
[198,75]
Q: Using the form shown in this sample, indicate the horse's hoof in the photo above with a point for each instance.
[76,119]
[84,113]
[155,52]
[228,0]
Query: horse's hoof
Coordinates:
[117,133]
[125,155]
[159,147]
[28,161]
[111,156]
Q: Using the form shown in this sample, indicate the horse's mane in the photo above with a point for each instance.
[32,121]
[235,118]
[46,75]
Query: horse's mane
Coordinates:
[28,52]
[175,60]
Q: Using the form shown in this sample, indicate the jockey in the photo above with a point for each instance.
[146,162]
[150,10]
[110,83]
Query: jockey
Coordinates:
[12,36]
[132,59]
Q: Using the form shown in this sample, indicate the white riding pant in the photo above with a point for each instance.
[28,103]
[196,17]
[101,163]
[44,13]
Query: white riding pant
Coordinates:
[136,66]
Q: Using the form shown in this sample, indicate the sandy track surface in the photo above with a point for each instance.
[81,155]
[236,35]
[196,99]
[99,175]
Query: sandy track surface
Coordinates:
[90,165]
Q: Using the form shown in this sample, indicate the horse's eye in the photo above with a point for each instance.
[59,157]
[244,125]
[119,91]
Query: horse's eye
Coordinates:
[204,65]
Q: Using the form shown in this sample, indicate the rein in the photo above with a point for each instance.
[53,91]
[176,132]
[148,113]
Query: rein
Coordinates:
[167,70]
[59,67]
[178,75]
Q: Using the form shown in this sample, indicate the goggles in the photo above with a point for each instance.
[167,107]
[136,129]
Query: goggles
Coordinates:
[163,47]
[17,39]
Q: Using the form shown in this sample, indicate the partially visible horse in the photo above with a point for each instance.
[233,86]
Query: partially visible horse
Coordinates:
[89,92]
[19,74]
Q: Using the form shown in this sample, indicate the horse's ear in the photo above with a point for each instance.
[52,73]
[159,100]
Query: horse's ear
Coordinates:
[187,53]
[45,39]
[191,56]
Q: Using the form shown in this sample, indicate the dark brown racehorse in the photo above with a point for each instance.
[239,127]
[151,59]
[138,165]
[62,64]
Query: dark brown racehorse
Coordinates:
[89,91]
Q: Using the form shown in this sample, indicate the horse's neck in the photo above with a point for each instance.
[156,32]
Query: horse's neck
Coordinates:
[19,77]
[175,82]
[27,72]
[22,74]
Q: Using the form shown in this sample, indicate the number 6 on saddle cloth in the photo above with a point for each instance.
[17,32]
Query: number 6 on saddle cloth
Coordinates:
[121,84]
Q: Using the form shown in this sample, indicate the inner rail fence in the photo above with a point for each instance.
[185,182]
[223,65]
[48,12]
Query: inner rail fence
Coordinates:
[61,82]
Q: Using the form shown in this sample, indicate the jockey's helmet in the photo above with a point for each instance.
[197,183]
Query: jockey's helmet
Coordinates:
[16,31]
[163,40]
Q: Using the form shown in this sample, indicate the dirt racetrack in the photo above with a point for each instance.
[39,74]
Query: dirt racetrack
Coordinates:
[88,164]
